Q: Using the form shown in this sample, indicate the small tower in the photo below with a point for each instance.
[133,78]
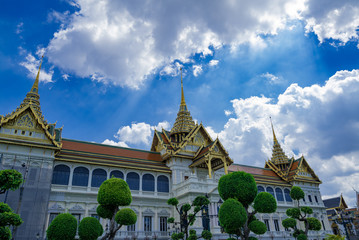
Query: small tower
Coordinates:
[278,156]
[184,122]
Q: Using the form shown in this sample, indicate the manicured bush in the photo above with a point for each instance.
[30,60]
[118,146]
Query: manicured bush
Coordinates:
[289,223]
[265,203]
[258,227]
[206,234]
[105,211]
[10,179]
[5,233]
[126,216]
[232,215]
[293,212]
[302,237]
[296,193]
[172,201]
[238,185]
[314,224]
[307,210]
[90,228]
[63,227]
[114,192]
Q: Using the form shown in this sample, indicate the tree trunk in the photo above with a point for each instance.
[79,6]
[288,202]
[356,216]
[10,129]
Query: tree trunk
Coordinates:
[110,235]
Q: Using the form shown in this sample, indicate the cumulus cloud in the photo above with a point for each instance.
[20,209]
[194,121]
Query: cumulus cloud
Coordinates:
[197,70]
[32,65]
[320,122]
[213,62]
[137,133]
[113,143]
[271,78]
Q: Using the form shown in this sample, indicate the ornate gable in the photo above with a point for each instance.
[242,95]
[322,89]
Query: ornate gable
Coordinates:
[27,123]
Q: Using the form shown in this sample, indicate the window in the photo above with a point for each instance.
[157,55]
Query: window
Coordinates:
[163,224]
[78,217]
[148,183]
[304,198]
[162,184]
[316,199]
[147,224]
[116,174]
[133,181]
[323,225]
[61,175]
[80,177]
[52,217]
[98,177]
[310,198]
[287,195]
[271,191]
[260,189]
[266,222]
[276,225]
[279,194]
[131,228]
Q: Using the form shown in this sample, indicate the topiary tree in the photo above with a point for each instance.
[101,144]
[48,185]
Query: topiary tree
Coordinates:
[113,193]
[186,218]
[90,228]
[10,179]
[205,235]
[7,218]
[239,192]
[63,227]
[300,214]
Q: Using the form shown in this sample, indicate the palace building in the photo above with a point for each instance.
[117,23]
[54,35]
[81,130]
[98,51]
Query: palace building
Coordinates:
[63,175]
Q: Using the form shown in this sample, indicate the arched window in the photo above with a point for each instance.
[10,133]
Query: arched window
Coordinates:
[162,184]
[98,177]
[271,191]
[287,195]
[279,194]
[148,183]
[80,177]
[61,175]
[116,174]
[133,181]
[260,189]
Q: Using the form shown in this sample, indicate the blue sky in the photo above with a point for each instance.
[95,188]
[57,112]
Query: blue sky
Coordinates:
[111,74]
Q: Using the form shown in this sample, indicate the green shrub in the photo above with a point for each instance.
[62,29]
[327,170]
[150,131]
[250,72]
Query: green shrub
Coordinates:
[105,211]
[314,224]
[200,201]
[257,227]
[289,223]
[186,207]
[63,227]
[293,212]
[90,229]
[10,218]
[302,237]
[265,203]
[126,216]
[296,193]
[172,201]
[4,207]
[10,179]
[232,215]
[5,233]
[307,210]
[171,220]
[114,192]
[206,234]
[238,185]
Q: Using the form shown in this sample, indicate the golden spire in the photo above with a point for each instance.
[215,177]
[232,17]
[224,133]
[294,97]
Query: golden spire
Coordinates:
[274,137]
[183,102]
[184,122]
[278,156]
[33,98]
[35,86]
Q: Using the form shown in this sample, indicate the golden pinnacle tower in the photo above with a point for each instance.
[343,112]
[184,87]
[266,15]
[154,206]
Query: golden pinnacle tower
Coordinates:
[184,122]
[33,98]
[278,156]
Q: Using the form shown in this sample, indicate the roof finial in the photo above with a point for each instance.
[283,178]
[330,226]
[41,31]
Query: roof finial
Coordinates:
[183,102]
[274,137]
[35,87]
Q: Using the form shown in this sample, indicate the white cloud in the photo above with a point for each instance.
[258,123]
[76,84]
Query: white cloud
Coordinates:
[271,78]
[139,133]
[213,62]
[65,76]
[320,122]
[227,112]
[197,70]
[19,28]
[113,143]
[32,65]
